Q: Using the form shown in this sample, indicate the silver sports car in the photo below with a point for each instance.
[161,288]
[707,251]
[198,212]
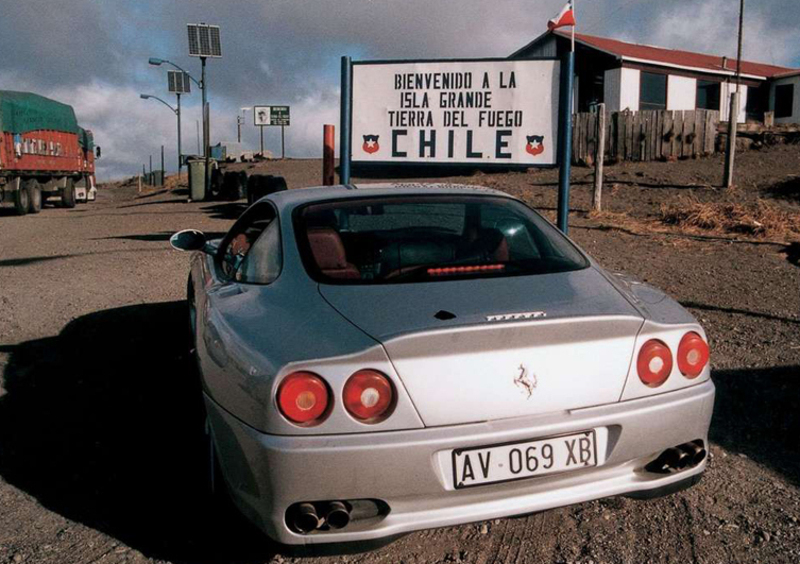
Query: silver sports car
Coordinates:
[386,358]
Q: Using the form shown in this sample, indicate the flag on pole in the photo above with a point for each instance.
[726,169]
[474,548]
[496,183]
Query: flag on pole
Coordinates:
[566,17]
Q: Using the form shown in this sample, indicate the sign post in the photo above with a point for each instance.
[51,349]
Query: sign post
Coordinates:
[565,139]
[345,121]
[272,116]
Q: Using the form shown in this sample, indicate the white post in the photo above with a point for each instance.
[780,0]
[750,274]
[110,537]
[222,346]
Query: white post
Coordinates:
[599,157]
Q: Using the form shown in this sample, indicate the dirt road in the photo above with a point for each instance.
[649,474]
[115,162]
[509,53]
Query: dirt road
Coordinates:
[98,461]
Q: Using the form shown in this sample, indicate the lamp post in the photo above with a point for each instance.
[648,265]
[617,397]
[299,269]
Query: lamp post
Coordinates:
[155,61]
[177,112]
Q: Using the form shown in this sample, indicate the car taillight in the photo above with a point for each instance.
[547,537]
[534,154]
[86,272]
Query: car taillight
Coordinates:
[654,363]
[692,355]
[368,396]
[303,397]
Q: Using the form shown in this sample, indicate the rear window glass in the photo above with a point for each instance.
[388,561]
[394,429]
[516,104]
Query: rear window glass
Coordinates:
[412,239]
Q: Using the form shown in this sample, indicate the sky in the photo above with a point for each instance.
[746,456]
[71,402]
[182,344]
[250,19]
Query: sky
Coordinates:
[93,54]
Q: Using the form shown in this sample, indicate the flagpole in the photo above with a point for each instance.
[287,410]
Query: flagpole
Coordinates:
[572,5]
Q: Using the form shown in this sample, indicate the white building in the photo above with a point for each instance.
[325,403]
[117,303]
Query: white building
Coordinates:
[642,77]
[784,97]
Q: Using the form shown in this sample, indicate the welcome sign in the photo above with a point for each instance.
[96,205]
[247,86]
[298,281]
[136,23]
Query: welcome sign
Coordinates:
[487,112]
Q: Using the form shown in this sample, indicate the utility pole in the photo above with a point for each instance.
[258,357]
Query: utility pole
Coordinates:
[733,118]
[178,113]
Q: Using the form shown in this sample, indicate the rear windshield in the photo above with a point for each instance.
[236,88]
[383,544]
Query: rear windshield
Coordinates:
[413,239]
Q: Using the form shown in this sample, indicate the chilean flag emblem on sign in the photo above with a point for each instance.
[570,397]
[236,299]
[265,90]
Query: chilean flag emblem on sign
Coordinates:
[565,17]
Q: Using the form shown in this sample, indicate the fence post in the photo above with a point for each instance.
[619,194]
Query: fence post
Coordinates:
[328,154]
[599,158]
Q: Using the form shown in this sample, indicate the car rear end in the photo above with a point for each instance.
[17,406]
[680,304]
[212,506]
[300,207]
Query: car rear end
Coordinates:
[507,378]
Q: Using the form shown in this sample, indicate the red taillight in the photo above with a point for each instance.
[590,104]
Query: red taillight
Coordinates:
[692,355]
[368,396]
[654,363]
[303,397]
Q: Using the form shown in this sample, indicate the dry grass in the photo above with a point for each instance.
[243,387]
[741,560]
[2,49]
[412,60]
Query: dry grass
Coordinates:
[759,219]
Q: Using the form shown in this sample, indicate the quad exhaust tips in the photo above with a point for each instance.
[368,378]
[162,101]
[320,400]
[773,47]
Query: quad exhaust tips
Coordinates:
[305,517]
[675,459]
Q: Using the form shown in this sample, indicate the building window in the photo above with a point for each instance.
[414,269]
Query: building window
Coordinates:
[784,100]
[653,94]
[708,95]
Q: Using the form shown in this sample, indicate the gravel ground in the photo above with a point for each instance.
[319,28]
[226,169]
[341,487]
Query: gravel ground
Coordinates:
[99,463]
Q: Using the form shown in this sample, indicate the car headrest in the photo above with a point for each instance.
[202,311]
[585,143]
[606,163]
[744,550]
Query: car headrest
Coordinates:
[327,248]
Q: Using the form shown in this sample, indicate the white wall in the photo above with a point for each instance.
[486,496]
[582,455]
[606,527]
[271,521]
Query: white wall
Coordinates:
[629,89]
[621,89]
[681,93]
[795,106]
[727,89]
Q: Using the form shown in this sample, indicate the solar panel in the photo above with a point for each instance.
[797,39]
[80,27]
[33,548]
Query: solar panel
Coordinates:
[178,82]
[204,40]
[194,41]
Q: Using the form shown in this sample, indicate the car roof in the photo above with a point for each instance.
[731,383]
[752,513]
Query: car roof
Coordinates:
[291,198]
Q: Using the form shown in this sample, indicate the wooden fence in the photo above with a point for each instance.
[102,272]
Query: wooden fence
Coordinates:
[646,135]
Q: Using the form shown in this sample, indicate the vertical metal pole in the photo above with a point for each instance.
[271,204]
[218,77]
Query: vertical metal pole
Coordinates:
[178,113]
[733,118]
[261,128]
[238,128]
[345,120]
[565,139]
[597,200]
[161,174]
[328,154]
[206,130]
[283,152]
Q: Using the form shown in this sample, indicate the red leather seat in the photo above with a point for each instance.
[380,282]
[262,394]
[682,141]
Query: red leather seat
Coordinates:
[330,255]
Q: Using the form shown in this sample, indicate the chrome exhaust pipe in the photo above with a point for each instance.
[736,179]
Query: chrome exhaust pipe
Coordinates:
[337,515]
[675,458]
[305,519]
[695,452]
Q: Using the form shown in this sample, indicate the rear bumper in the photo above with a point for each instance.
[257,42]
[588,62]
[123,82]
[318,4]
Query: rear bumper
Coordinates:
[410,472]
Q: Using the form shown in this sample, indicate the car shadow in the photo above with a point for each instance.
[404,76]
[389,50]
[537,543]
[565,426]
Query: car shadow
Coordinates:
[101,424]
[757,413]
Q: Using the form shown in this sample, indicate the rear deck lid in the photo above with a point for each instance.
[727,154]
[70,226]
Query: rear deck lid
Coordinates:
[517,346]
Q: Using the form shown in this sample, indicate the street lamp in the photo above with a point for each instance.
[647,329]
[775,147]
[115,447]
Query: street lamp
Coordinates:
[177,112]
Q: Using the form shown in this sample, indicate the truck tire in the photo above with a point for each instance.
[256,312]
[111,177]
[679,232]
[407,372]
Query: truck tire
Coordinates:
[34,195]
[68,194]
[22,200]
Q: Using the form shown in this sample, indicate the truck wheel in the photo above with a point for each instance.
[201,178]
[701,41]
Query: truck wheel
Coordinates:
[22,200]
[68,194]
[34,196]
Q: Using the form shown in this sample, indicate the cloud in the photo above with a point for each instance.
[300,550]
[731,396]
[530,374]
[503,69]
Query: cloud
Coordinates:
[94,54]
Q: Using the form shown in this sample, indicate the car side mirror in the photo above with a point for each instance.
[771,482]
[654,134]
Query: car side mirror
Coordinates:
[188,240]
[97,152]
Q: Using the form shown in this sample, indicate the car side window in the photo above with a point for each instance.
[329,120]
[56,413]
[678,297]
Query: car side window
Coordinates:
[241,242]
[262,264]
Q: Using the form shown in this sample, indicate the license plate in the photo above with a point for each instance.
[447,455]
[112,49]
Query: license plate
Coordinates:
[516,461]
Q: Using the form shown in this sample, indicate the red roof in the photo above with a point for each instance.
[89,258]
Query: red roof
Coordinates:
[658,55]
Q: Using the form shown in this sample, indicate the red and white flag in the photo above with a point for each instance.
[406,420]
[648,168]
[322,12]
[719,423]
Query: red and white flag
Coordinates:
[565,17]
